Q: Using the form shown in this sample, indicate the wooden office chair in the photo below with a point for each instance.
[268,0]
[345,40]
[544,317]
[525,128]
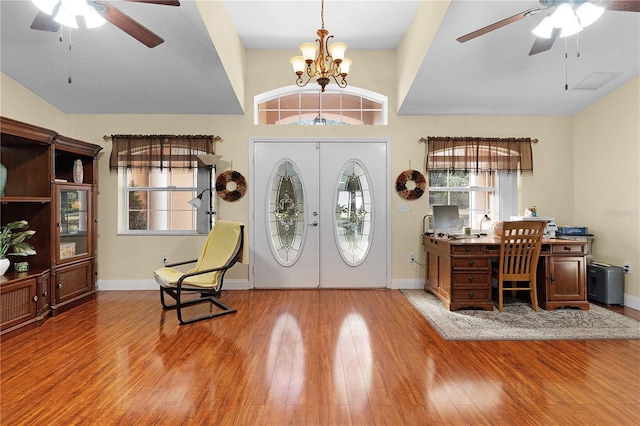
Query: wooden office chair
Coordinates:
[221,251]
[520,245]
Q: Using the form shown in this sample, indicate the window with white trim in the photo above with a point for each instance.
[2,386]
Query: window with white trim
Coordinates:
[475,194]
[156,202]
[293,105]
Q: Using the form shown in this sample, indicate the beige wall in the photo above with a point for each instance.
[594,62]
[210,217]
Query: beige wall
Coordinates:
[551,188]
[21,104]
[607,178]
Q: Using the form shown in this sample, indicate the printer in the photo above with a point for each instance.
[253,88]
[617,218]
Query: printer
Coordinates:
[549,230]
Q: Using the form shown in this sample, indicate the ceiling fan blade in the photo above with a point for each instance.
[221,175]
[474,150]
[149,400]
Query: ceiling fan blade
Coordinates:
[544,44]
[496,25]
[129,25]
[162,2]
[44,22]
[623,5]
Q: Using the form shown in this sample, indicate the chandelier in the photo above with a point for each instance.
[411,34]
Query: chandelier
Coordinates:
[569,19]
[329,62]
[67,10]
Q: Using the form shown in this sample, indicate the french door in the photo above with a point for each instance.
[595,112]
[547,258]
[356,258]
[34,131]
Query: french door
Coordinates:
[319,214]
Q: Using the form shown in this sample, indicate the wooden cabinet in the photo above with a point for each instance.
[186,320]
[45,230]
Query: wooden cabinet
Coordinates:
[73,283]
[43,294]
[40,189]
[459,272]
[459,275]
[561,279]
[23,300]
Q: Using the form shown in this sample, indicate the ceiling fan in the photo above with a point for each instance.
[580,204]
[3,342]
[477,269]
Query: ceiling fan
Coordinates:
[565,18]
[53,13]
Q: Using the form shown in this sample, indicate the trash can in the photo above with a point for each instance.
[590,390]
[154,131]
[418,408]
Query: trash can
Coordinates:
[605,283]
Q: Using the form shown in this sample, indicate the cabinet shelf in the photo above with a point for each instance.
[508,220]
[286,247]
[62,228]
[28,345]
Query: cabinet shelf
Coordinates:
[12,275]
[9,199]
[74,234]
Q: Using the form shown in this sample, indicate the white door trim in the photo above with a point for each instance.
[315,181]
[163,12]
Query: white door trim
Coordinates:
[252,183]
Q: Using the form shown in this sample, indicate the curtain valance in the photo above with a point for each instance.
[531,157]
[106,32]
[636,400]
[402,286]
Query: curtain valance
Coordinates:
[159,151]
[492,155]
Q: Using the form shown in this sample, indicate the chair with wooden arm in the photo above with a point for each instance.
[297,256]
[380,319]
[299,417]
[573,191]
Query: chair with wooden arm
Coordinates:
[221,251]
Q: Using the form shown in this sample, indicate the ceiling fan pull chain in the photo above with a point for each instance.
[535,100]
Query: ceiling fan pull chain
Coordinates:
[578,45]
[566,64]
[70,79]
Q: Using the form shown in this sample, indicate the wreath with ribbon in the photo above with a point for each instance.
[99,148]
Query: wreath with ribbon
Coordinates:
[238,188]
[411,176]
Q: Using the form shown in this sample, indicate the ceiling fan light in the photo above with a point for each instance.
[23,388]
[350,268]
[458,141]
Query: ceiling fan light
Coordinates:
[588,13]
[46,5]
[544,28]
[75,7]
[65,18]
[92,18]
[570,30]
[563,16]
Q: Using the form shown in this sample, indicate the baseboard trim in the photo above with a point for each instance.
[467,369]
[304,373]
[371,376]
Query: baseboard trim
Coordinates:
[128,285]
[408,284]
[632,302]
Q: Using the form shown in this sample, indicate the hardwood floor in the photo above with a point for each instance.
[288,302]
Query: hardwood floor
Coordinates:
[302,357]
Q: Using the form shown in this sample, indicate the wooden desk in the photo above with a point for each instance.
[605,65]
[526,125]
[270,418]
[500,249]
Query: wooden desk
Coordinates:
[459,272]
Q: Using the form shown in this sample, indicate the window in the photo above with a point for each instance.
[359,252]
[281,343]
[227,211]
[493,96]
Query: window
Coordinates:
[157,201]
[476,195]
[292,105]
[477,174]
[158,176]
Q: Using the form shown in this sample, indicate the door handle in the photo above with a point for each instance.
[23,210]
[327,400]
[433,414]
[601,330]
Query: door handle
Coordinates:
[315,223]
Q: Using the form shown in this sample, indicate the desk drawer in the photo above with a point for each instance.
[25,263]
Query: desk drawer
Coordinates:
[470,294]
[471,262]
[567,249]
[470,278]
[467,249]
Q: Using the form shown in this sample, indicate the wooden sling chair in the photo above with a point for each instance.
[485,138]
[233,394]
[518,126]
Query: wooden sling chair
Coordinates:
[222,250]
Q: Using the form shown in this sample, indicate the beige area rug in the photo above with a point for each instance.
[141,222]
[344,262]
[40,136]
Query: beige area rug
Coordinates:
[519,322]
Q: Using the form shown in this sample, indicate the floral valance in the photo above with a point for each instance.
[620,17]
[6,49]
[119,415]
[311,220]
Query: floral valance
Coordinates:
[491,155]
[159,151]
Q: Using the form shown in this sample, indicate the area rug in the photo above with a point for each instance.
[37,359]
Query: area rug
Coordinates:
[519,321]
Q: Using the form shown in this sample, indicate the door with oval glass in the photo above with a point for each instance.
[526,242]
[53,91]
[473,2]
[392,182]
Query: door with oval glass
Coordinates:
[319,214]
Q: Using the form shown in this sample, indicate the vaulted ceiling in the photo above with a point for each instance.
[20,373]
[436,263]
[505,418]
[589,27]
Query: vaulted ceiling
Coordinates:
[114,74]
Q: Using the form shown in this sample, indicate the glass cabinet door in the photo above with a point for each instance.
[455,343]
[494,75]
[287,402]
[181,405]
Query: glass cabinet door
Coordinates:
[73,226]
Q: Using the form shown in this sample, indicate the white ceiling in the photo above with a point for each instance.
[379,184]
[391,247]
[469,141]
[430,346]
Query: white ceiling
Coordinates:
[114,74]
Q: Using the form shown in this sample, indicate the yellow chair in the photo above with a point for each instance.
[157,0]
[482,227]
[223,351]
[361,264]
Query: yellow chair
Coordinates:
[222,250]
[520,246]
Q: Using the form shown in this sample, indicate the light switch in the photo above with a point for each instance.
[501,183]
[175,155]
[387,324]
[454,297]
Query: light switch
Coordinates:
[402,208]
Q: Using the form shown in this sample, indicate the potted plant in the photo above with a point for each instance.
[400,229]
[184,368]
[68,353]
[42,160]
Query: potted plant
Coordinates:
[12,242]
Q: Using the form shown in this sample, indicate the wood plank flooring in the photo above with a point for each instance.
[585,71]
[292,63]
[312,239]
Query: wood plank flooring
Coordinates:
[302,357]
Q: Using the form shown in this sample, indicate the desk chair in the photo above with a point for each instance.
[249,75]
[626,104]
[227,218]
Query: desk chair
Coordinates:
[221,251]
[520,245]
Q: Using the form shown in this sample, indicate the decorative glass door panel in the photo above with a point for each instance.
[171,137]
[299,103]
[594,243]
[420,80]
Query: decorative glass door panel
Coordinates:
[320,217]
[73,226]
[353,214]
[286,213]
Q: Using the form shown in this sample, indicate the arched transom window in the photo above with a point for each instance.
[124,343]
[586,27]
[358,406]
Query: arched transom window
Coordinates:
[309,106]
